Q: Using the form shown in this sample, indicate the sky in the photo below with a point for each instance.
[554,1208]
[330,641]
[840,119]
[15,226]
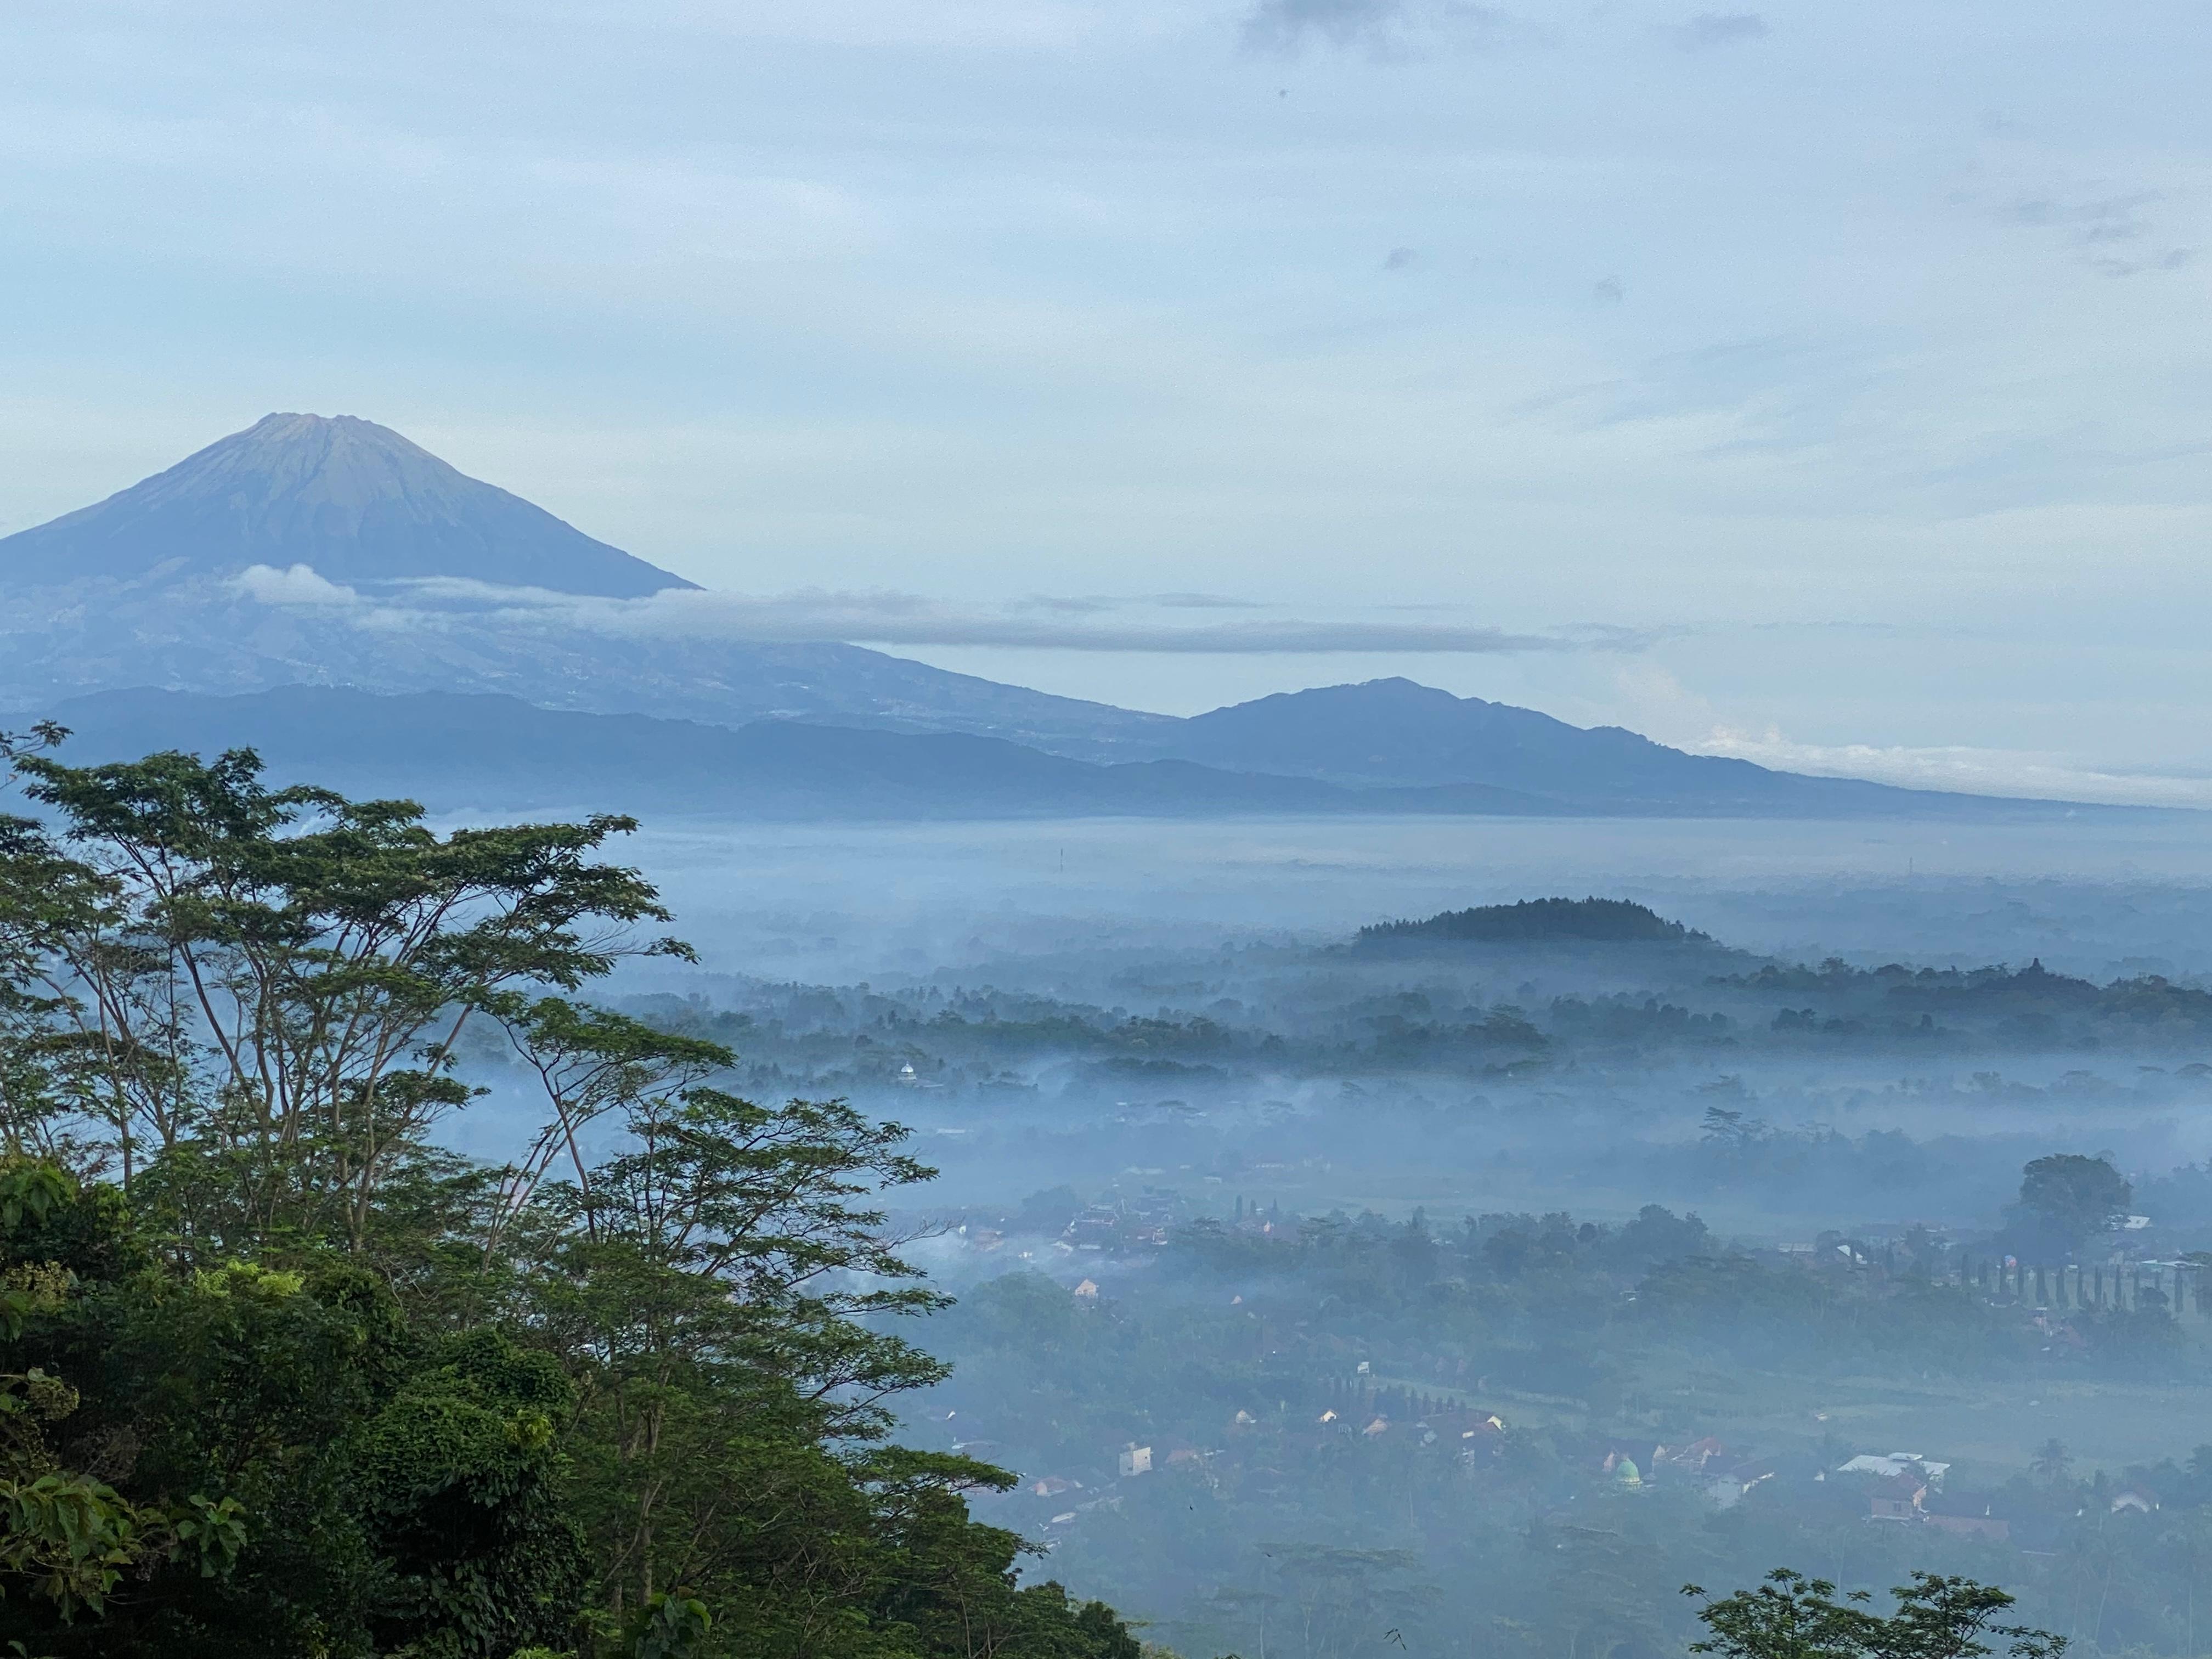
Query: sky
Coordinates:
[1828,385]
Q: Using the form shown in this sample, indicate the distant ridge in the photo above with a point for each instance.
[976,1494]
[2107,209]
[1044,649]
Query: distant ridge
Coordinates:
[455,752]
[352,500]
[1394,733]
[459,753]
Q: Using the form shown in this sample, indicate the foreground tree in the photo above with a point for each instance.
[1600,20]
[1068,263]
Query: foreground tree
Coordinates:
[266,990]
[279,1376]
[271,1462]
[1793,1617]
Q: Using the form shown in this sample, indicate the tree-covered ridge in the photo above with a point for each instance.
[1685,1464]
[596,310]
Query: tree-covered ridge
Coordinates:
[1605,921]
[278,1376]
[1291,1014]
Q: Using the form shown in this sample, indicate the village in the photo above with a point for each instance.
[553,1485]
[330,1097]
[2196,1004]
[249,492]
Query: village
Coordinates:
[1175,1380]
[1258,1453]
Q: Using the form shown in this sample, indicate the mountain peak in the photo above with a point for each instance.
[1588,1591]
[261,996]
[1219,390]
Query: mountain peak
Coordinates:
[1394,692]
[355,500]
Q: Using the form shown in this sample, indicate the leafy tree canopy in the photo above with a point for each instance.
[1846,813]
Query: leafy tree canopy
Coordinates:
[280,1376]
[1793,1617]
[2070,1199]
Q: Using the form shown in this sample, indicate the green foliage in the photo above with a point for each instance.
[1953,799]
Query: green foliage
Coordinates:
[672,1627]
[297,1382]
[1793,1617]
[2072,1197]
[275,1455]
[264,989]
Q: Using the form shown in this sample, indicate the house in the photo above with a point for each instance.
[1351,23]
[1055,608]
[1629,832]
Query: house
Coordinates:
[2134,1500]
[1890,1465]
[1088,1290]
[1136,1460]
[1052,1485]
[1971,1514]
[1698,1453]
[1379,1425]
[1473,1421]
[1474,1425]
[1729,1484]
[1094,1229]
[1897,1497]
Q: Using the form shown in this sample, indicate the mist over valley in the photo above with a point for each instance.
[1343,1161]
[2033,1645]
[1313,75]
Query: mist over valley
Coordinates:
[1358,1169]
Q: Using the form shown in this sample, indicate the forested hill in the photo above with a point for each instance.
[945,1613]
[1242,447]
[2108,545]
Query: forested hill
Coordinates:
[1613,922]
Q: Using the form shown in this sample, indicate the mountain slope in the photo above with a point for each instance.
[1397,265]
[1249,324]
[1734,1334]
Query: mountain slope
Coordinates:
[455,752]
[499,754]
[143,589]
[227,644]
[1395,733]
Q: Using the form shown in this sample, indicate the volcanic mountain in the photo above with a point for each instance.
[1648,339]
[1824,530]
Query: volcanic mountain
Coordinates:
[466,638]
[320,550]
[353,501]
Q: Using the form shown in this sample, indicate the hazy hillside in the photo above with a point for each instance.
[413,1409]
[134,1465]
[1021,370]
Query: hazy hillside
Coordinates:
[1395,732]
[454,751]
[1611,921]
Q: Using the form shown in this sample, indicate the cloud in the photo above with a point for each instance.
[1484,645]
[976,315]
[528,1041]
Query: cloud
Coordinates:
[2105,219]
[2019,773]
[1066,606]
[881,618]
[1093,605]
[1662,707]
[1283,25]
[1709,29]
[298,586]
[1389,27]
[2114,233]
[1202,602]
[2171,259]
[884,617]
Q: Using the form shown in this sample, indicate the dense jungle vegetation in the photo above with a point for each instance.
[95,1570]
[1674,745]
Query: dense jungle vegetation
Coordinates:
[280,1376]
